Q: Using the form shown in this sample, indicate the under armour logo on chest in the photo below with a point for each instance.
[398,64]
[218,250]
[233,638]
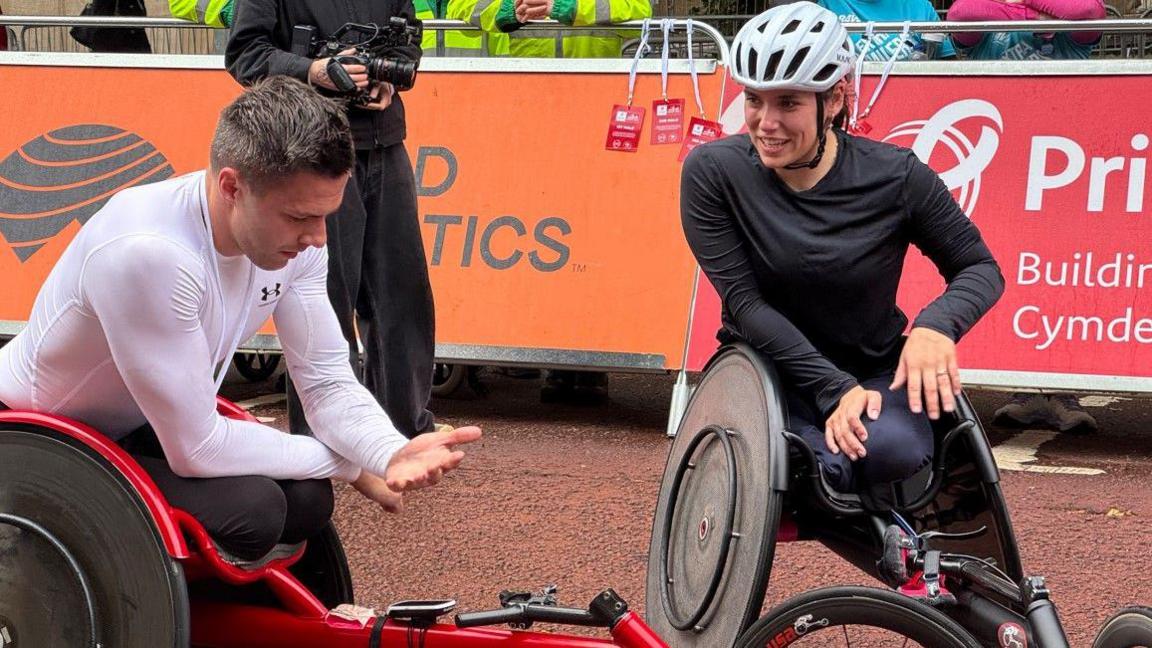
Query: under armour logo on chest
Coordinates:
[270,292]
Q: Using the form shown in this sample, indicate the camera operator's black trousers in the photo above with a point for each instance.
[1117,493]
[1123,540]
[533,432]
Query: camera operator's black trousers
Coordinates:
[378,275]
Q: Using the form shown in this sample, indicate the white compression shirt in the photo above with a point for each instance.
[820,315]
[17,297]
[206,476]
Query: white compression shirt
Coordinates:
[141,315]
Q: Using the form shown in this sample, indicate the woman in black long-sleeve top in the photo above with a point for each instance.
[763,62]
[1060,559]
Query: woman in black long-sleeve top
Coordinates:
[803,229]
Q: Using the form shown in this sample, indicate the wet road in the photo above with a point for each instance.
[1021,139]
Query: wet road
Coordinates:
[565,494]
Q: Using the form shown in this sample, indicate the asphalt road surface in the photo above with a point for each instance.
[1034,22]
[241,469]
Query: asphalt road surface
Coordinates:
[565,494]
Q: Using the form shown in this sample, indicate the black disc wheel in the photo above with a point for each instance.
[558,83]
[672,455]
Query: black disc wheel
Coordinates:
[714,530]
[256,367]
[324,569]
[80,559]
[857,617]
[1128,628]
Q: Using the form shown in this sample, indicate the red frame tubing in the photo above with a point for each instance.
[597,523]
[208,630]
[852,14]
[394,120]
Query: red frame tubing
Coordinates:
[220,625]
[228,409]
[632,632]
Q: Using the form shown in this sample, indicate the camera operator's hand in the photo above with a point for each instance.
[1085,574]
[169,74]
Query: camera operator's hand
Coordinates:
[318,73]
[381,96]
[533,10]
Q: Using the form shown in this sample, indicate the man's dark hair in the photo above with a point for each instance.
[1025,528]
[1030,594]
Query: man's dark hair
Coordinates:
[279,127]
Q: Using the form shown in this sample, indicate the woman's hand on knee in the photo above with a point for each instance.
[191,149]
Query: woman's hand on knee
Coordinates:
[844,431]
[929,369]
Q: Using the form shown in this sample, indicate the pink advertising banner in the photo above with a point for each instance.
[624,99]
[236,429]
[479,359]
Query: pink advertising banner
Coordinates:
[1057,182]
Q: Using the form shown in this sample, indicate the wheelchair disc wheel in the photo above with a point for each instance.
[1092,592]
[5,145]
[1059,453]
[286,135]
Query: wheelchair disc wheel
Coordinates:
[324,569]
[1131,627]
[714,529]
[81,561]
[860,617]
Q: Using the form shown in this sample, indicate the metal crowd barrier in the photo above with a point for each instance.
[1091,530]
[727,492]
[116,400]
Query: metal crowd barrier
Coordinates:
[1124,37]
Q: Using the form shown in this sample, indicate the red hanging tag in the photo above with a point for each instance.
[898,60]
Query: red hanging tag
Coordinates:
[861,127]
[624,128]
[667,121]
[700,130]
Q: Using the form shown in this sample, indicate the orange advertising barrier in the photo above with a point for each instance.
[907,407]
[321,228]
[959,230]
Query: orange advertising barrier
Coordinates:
[544,247]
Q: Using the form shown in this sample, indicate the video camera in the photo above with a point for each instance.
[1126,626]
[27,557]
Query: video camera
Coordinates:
[372,44]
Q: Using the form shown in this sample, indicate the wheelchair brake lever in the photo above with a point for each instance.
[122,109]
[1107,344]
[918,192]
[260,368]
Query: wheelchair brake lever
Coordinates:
[964,535]
[934,583]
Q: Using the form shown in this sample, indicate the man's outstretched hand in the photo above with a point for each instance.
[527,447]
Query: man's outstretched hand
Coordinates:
[423,461]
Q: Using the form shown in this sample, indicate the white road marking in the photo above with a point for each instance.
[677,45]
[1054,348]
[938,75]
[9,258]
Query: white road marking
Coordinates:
[1101,401]
[269,399]
[1018,452]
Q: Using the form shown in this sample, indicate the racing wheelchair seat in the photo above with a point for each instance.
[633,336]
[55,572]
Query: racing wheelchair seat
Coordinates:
[737,481]
[92,554]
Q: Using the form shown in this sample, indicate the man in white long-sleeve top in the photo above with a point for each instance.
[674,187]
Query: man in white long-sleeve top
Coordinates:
[133,329]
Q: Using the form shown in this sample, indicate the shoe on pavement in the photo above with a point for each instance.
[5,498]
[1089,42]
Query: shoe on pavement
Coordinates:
[1023,410]
[1068,415]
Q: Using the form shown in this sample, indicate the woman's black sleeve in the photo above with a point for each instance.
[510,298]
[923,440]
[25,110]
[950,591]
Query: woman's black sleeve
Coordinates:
[712,233]
[947,236]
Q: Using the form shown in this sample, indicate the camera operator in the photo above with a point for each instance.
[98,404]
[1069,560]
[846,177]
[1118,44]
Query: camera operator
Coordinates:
[377,272]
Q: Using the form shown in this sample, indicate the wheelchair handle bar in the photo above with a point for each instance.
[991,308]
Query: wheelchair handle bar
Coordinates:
[521,613]
[1047,631]
[973,571]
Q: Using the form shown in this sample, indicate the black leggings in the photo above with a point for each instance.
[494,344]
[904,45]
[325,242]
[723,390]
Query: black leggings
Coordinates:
[899,443]
[248,515]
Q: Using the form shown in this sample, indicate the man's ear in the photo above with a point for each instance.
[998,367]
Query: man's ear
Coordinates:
[228,181]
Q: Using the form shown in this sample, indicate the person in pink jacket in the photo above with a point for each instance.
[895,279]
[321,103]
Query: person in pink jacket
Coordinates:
[1025,45]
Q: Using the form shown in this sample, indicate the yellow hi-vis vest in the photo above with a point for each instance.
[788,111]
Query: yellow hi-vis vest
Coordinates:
[214,13]
[455,42]
[577,44]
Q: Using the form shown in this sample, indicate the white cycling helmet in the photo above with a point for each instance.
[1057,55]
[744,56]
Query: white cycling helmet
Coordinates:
[798,46]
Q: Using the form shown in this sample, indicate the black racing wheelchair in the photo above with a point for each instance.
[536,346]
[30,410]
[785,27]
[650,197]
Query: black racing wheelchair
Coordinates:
[737,482]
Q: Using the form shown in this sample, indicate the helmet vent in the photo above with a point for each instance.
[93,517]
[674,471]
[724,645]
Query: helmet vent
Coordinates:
[825,73]
[796,61]
[773,64]
[791,27]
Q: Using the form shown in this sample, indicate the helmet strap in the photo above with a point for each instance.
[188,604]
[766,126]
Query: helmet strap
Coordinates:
[821,138]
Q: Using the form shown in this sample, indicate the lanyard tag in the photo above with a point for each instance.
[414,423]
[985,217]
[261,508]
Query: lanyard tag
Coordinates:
[667,121]
[624,128]
[700,131]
